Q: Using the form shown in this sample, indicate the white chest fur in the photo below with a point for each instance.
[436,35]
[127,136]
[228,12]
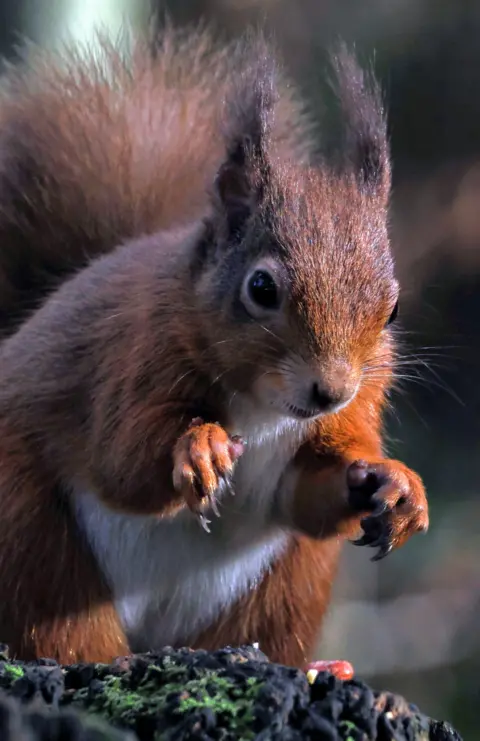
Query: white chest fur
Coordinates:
[170,578]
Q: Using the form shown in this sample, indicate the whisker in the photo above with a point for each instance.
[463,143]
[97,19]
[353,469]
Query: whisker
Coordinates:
[180,379]
[427,383]
[232,397]
[270,332]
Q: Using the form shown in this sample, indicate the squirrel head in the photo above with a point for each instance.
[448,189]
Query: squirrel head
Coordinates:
[296,272]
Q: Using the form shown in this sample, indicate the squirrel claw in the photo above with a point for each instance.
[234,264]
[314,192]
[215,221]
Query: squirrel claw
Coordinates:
[204,458]
[204,523]
[227,484]
[382,543]
[383,551]
[363,540]
[214,506]
[393,499]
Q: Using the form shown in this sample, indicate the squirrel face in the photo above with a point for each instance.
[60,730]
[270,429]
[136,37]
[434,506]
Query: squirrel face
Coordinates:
[297,268]
[305,294]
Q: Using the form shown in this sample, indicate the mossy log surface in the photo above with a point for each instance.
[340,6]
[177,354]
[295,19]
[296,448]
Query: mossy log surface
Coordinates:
[181,694]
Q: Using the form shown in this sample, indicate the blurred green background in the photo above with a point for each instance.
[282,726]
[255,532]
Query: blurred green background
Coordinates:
[409,624]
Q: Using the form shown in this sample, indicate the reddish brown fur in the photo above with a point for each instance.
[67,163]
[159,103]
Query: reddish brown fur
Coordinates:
[102,382]
[56,603]
[285,612]
[58,157]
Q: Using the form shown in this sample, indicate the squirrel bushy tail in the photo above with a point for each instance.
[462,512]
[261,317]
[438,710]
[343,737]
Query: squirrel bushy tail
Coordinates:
[103,144]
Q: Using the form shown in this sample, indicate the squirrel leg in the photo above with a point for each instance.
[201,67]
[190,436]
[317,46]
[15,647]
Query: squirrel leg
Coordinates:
[172,469]
[393,498]
[204,458]
[54,600]
[382,496]
[344,483]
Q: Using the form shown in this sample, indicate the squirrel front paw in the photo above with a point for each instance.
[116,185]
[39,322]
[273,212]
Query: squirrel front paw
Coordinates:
[204,458]
[395,496]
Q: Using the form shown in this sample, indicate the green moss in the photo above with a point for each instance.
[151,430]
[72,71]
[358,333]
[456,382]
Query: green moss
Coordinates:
[347,726]
[116,702]
[168,689]
[229,701]
[14,671]
[167,696]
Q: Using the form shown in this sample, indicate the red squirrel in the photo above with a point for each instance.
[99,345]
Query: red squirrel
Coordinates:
[196,315]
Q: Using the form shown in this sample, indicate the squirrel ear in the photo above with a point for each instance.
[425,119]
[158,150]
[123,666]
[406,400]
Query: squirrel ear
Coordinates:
[247,125]
[237,187]
[366,141]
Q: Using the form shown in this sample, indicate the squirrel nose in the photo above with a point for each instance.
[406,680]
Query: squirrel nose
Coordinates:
[336,387]
[323,398]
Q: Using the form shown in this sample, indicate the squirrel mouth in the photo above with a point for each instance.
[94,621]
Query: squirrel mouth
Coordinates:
[301,413]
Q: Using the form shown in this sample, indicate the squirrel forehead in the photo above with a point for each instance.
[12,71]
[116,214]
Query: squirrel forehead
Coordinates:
[323,225]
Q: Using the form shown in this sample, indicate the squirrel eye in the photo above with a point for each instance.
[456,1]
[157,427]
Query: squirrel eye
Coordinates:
[393,315]
[263,290]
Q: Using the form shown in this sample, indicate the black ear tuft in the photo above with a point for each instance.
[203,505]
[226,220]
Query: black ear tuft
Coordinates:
[366,142]
[247,124]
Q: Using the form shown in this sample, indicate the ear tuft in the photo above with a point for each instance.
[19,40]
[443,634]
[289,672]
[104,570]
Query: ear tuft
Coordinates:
[366,142]
[248,118]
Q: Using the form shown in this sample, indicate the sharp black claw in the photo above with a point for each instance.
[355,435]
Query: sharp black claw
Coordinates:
[377,542]
[384,551]
[363,540]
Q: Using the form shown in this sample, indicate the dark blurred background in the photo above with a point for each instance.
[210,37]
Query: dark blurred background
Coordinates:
[409,624]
